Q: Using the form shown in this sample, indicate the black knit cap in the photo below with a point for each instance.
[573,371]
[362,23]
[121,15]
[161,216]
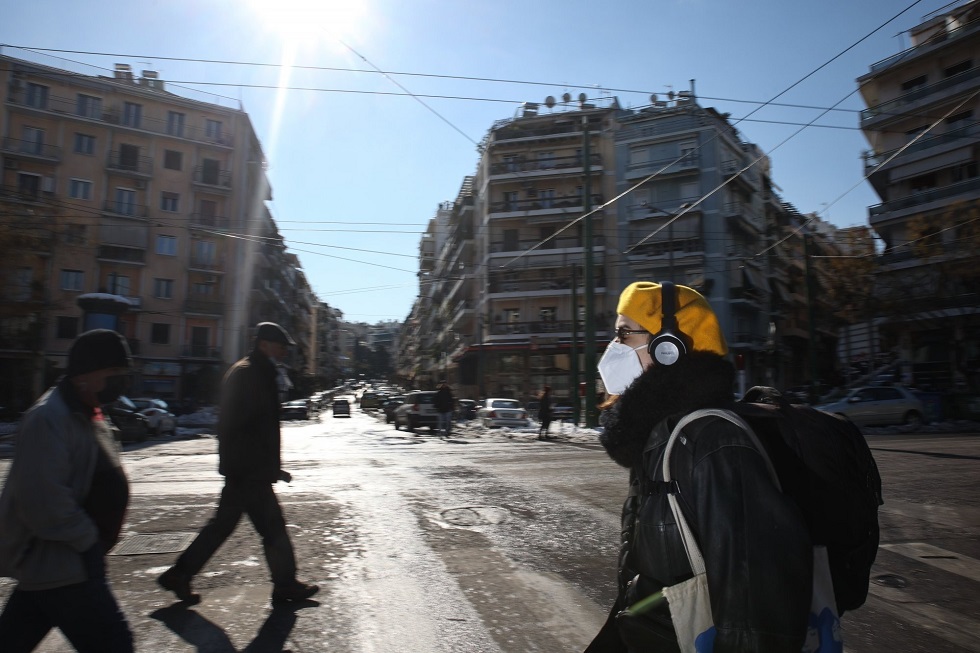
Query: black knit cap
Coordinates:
[98,349]
[273,332]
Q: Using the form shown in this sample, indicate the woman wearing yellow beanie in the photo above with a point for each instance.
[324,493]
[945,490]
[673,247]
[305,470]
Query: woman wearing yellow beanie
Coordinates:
[668,360]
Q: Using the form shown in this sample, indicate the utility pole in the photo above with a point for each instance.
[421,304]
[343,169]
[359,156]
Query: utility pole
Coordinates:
[589,362]
[573,364]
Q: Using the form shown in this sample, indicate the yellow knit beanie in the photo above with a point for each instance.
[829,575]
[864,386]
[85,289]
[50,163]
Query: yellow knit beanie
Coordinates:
[641,302]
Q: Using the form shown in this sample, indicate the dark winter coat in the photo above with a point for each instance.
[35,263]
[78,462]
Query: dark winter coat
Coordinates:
[443,400]
[756,547]
[248,424]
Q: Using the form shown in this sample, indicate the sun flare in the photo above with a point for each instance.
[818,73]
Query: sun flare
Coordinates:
[305,21]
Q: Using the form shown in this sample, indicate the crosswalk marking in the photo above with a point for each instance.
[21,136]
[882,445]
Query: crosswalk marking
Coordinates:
[940,558]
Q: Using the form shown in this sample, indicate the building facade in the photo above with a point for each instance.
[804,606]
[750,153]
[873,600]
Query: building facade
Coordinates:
[126,189]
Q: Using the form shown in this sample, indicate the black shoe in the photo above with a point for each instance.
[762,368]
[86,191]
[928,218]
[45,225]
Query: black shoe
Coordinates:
[295,591]
[178,583]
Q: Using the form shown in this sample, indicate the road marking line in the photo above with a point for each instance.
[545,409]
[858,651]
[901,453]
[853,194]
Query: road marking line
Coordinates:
[950,626]
[955,563]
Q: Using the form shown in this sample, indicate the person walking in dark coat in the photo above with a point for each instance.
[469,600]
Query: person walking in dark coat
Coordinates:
[249,459]
[444,403]
[544,412]
[63,507]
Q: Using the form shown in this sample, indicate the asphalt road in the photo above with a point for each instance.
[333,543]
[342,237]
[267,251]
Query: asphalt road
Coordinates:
[490,544]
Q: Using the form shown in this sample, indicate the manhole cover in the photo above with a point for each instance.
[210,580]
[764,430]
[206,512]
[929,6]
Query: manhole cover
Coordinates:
[475,515]
[891,580]
[153,543]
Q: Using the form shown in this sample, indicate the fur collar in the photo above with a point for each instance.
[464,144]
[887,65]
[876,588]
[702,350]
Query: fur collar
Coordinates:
[699,380]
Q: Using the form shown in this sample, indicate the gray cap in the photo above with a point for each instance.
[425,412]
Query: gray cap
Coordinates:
[273,333]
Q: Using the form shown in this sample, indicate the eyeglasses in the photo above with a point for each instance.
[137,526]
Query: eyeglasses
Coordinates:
[622,333]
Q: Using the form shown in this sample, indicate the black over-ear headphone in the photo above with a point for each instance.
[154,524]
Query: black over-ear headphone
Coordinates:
[668,345]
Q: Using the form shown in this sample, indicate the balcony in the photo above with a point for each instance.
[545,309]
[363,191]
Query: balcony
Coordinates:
[576,204]
[510,129]
[212,178]
[205,306]
[540,287]
[920,96]
[545,327]
[25,194]
[669,166]
[118,254]
[743,215]
[208,221]
[126,209]
[962,137]
[31,150]
[140,167]
[201,351]
[936,39]
[560,164]
[123,233]
[207,264]
[897,208]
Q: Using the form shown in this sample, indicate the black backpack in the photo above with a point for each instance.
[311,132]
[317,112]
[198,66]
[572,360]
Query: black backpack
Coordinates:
[825,464]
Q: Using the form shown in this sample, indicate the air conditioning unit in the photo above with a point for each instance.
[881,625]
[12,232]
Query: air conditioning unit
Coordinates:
[11,164]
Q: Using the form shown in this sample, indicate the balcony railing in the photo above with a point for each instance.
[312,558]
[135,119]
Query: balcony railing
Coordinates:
[212,177]
[542,327]
[544,203]
[138,165]
[967,136]
[22,194]
[924,197]
[892,106]
[206,306]
[523,286]
[560,242]
[124,254]
[669,165]
[201,351]
[553,163]
[210,221]
[31,148]
[125,208]
[211,264]
[939,37]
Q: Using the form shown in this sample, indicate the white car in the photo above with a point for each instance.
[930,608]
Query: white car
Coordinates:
[157,413]
[498,412]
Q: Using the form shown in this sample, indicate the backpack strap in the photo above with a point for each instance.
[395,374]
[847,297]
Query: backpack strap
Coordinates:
[694,556]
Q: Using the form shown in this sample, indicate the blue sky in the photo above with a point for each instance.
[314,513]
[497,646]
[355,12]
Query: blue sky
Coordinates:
[340,161]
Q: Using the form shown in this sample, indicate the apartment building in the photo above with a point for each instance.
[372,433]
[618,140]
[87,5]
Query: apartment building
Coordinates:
[131,191]
[921,120]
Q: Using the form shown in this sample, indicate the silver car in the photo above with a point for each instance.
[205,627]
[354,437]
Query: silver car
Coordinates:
[872,405]
[500,412]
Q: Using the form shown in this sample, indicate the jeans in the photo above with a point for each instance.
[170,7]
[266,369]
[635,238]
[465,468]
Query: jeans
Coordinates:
[446,423]
[86,613]
[258,500]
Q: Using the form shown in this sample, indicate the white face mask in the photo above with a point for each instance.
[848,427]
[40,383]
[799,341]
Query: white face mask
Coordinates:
[619,367]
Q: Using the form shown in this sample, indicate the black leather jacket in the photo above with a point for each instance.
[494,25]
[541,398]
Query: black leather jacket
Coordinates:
[755,544]
[248,424]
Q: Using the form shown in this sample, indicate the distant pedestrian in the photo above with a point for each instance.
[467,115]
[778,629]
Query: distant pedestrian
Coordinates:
[445,404]
[249,459]
[544,412]
[63,507]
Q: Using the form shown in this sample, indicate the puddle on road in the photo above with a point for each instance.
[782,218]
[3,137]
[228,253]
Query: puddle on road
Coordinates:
[470,516]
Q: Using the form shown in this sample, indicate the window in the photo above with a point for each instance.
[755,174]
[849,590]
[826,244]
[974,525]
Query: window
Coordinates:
[75,234]
[209,171]
[29,185]
[33,140]
[84,144]
[960,120]
[67,327]
[204,251]
[207,212]
[510,200]
[511,240]
[72,279]
[547,198]
[163,288]
[129,157]
[132,114]
[160,333]
[202,289]
[88,106]
[80,189]
[689,153]
[117,284]
[964,171]
[546,160]
[125,201]
[547,314]
[167,245]
[212,129]
[512,163]
[912,133]
[169,202]
[958,68]
[37,96]
[172,159]
[175,123]
[915,82]
[19,284]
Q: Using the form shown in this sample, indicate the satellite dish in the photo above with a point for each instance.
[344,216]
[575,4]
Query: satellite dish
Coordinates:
[653,98]
[582,97]
[549,101]
[567,97]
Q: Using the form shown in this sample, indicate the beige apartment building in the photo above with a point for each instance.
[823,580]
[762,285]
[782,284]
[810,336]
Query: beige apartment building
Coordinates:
[133,192]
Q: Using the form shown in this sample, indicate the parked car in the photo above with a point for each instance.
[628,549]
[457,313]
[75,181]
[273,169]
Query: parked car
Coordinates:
[465,409]
[298,409]
[418,410]
[157,414]
[389,406]
[370,399]
[341,407]
[129,425]
[873,405]
[500,412]
[562,410]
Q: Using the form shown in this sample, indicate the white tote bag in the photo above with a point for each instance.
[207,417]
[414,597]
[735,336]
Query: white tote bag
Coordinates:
[690,604]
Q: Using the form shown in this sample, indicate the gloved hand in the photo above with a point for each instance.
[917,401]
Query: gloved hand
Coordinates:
[93,559]
[285,476]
